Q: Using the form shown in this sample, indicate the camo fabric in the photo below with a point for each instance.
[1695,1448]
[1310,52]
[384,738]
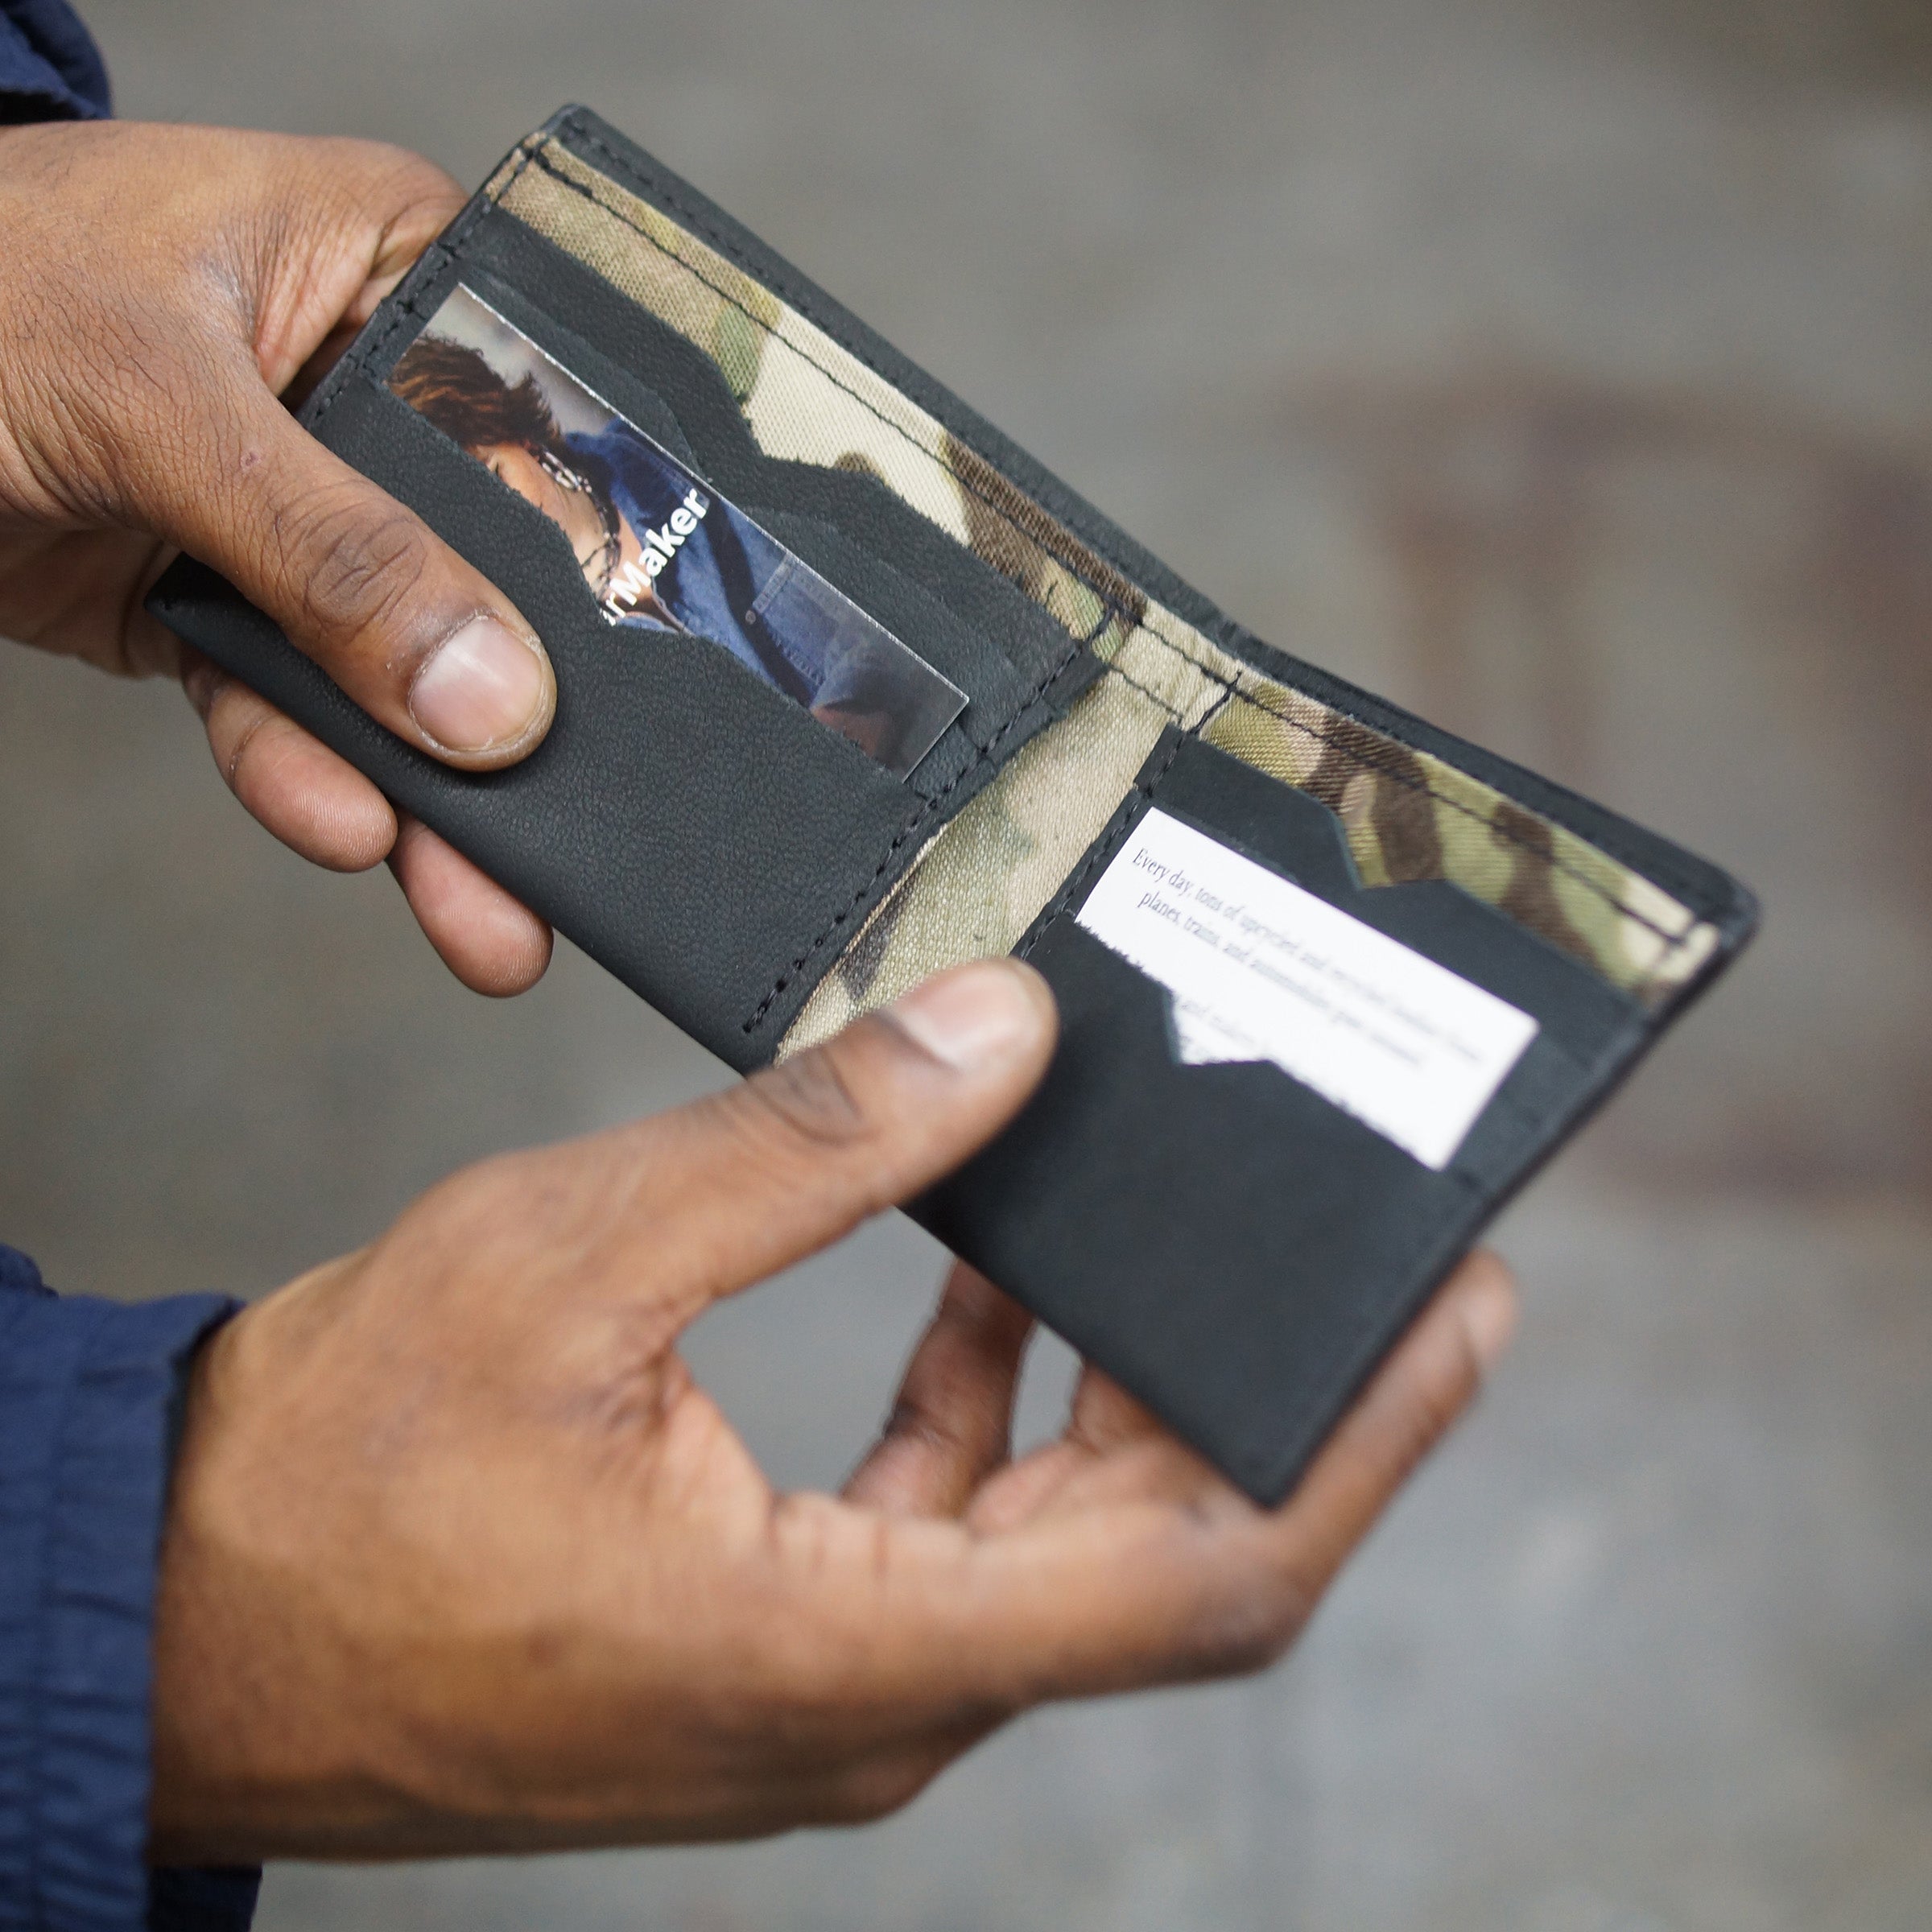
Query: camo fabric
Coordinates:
[985,879]
[980,882]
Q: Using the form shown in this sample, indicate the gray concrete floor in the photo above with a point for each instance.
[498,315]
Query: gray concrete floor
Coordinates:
[1563,371]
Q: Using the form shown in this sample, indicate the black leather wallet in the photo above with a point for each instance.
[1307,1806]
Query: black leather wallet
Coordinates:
[850,689]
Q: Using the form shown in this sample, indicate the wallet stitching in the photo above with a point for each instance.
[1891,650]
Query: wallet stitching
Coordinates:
[983,756]
[1232,693]
[929,806]
[698,224]
[1673,942]
[1103,848]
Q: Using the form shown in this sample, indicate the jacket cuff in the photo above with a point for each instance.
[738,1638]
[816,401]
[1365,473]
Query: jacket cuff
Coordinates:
[89,1390]
[50,70]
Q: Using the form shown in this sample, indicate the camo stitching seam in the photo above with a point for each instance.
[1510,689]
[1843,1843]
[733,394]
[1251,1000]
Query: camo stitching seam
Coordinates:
[985,757]
[1673,942]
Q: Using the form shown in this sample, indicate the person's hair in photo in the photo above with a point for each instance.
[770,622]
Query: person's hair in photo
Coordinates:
[459,391]
[456,390]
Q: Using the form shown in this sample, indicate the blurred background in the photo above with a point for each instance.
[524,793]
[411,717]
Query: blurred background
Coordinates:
[1564,371]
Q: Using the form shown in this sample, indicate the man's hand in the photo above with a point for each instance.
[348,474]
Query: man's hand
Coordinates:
[160,288]
[459,1559]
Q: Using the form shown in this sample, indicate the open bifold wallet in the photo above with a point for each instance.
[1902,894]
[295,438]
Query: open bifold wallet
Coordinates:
[851,690]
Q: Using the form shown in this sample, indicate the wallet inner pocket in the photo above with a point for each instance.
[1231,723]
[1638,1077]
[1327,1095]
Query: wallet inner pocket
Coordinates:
[1465,1039]
[1309,1237]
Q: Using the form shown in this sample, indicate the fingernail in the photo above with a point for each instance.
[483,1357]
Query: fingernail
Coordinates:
[483,686]
[1489,1320]
[974,1018]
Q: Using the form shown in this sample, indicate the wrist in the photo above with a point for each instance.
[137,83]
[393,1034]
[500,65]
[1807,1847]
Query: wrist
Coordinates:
[222,1726]
[271,1736]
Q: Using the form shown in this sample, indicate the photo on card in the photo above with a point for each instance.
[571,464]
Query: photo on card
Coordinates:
[660,550]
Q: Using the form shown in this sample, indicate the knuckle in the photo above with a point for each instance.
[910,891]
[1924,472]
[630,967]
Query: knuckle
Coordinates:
[622,1381]
[428,188]
[916,1417]
[874,1790]
[413,177]
[808,1100]
[356,564]
[1421,1422]
[1248,1635]
[201,682]
[233,721]
[390,198]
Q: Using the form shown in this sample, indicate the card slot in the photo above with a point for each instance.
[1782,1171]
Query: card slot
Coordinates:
[1001,707]
[997,689]
[1586,1029]
[630,356]
[1292,833]
[1234,1249]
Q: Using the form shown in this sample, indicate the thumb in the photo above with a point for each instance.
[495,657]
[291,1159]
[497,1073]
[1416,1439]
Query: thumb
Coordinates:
[426,645]
[735,1186]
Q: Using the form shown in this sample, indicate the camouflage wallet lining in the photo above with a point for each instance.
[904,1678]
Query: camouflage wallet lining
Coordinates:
[981,879]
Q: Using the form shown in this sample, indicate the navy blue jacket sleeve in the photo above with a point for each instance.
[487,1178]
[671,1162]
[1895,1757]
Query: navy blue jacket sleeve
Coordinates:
[88,1392]
[49,68]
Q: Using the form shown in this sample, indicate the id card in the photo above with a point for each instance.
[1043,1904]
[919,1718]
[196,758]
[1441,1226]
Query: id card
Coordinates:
[659,549]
